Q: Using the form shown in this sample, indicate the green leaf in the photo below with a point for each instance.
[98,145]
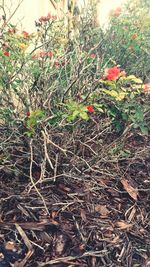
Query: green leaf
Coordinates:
[144,130]
[99,107]
[139,114]
[75,114]
[72,105]
[84,115]
[55,119]
[134,79]
[124,116]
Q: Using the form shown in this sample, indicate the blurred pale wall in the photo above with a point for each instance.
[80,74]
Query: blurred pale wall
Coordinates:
[30,10]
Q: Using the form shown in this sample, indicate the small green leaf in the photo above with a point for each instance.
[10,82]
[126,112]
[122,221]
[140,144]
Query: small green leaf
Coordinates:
[75,114]
[134,79]
[144,130]
[84,115]
[139,114]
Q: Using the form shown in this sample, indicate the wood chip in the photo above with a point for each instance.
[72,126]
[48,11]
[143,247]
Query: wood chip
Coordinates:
[123,225]
[102,209]
[130,190]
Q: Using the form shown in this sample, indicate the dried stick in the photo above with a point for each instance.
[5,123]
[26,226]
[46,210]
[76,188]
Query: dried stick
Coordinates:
[31,178]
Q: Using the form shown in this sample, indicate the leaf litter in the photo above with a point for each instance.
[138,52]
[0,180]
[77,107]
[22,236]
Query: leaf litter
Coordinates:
[94,217]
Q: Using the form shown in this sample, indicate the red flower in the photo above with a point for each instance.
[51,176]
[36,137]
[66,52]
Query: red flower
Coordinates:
[134,36]
[6,54]
[25,34]
[50,54]
[45,18]
[112,74]
[12,30]
[131,47]
[148,52]
[123,73]
[57,64]
[54,17]
[90,109]
[117,11]
[146,87]
[28,114]
[35,56]
[42,53]
[93,56]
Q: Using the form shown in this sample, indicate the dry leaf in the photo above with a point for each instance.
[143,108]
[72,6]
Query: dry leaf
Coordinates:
[123,225]
[64,188]
[102,209]
[10,246]
[59,244]
[26,240]
[130,190]
[54,214]
[132,214]
[1,256]
[83,215]
[115,240]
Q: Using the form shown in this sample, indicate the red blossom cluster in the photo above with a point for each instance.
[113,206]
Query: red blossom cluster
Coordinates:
[134,36]
[113,73]
[60,63]
[26,35]
[131,47]
[12,30]
[93,56]
[116,12]
[6,54]
[42,54]
[47,18]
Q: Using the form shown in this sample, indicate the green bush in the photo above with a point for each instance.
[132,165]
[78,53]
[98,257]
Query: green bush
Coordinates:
[128,39]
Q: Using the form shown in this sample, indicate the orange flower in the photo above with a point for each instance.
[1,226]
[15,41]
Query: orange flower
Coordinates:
[90,109]
[134,36]
[146,87]
[148,52]
[22,46]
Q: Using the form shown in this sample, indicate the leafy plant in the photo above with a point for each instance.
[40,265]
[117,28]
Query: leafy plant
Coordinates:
[76,110]
[33,119]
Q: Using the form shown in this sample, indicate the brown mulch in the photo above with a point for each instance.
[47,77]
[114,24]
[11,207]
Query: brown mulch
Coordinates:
[90,209]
